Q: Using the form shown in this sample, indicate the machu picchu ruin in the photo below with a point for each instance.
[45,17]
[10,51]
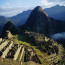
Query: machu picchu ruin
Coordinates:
[45,51]
[11,52]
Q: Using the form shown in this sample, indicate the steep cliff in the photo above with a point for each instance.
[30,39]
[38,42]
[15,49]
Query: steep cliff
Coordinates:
[39,21]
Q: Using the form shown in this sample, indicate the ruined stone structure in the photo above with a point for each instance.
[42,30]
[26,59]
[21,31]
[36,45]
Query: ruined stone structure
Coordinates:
[15,53]
[7,50]
[3,45]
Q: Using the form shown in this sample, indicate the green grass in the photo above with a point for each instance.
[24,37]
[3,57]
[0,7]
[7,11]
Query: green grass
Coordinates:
[18,57]
[17,41]
[20,39]
[23,40]
[40,55]
[23,57]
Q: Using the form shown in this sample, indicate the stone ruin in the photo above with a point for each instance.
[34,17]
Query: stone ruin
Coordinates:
[30,55]
[9,35]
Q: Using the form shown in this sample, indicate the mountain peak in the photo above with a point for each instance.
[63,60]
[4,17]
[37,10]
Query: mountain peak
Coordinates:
[9,22]
[57,5]
[38,20]
[39,9]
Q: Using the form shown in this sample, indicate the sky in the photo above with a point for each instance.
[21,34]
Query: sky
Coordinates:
[12,7]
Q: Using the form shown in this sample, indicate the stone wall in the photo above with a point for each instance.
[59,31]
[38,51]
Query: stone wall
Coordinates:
[21,54]
[7,50]
[3,45]
[17,53]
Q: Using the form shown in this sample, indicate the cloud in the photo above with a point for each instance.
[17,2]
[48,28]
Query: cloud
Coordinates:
[7,3]
[58,36]
[50,3]
[47,3]
[55,0]
[63,3]
[9,12]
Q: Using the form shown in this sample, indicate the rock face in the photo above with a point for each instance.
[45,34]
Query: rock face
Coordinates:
[9,26]
[52,26]
[38,21]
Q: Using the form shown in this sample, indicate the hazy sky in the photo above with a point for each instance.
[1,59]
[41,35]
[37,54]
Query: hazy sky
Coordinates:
[13,7]
[30,3]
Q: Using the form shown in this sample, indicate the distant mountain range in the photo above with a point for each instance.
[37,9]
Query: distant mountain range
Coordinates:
[40,22]
[56,12]
[21,18]
[3,21]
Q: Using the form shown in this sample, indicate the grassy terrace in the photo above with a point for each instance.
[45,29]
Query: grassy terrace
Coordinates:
[19,54]
[40,55]
[18,40]
[18,59]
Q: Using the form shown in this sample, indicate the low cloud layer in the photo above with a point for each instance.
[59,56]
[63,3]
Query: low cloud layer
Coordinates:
[58,36]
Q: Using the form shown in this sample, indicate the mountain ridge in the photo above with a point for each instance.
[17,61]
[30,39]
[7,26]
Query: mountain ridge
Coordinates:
[37,19]
[20,19]
[56,12]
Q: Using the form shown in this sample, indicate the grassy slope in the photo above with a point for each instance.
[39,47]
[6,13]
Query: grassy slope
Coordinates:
[15,38]
[18,40]
[41,55]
